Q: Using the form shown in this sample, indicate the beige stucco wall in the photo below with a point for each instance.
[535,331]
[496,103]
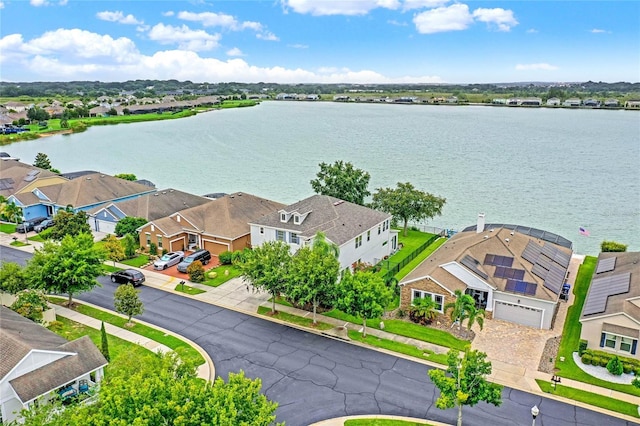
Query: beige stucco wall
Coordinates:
[52,180]
[592,330]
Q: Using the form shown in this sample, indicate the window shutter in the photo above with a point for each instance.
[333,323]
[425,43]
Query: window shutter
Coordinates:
[602,336]
[634,346]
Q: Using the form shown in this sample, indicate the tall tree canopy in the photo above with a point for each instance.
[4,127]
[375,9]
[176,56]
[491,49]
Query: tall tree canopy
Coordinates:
[314,273]
[342,180]
[407,203]
[70,267]
[12,278]
[69,223]
[129,225]
[266,268]
[464,382]
[363,294]
[126,176]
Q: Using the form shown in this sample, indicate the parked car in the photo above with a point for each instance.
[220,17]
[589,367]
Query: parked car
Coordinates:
[29,225]
[48,223]
[202,255]
[128,276]
[169,259]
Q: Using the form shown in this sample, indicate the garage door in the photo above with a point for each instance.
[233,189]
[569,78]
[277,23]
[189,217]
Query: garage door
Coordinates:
[102,226]
[215,248]
[519,314]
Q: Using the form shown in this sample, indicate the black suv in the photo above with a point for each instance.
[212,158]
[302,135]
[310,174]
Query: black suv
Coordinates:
[29,225]
[202,255]
[128,276]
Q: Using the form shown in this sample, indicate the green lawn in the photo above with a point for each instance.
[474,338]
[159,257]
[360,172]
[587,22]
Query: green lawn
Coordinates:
[7,228]
[136,262]
[221,278]
[188,290]
[382,422]
[571,334]
[18,243]
[36,238]
[401,348]
[110,268]
[418,260]
[180,346]
[410,242]
[72,330]
[294,319]
[590,398]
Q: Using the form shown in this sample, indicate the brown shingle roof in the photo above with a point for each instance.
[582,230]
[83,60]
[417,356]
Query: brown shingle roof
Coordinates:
[18,171]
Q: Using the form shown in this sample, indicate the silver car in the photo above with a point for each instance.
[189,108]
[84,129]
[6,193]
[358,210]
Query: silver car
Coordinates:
[168,260]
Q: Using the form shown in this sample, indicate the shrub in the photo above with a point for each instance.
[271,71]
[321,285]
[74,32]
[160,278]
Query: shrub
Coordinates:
[196,272]
[627,368]
[46,234]
[225,257]
[603,361]
[30,304]
[582,346]
[153,249]
[614,366]
[164,251]
[586,359]
[612,246]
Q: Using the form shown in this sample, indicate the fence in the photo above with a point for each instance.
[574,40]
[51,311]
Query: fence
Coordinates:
[397,266]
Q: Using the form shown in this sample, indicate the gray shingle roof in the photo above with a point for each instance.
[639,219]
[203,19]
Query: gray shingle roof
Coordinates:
[340,220]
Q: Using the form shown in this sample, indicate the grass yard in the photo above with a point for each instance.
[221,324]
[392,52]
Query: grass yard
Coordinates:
[221,278]
[18,243]
[418,259]
[72,330]
[571,334]
[594,399]
[188,289]
[7,228]
[136,262]
[37,238]
[180,346]
[294,319]
[382,422]
[401,348]
[110,268]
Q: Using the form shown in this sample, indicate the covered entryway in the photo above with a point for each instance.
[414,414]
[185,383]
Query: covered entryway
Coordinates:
[519,314]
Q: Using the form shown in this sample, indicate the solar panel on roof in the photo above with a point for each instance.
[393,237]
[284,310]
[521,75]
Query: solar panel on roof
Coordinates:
[508,273]
[6,183]
[473,264]
[544,261]
[562,259]
[554,279]
[603,287]
[606,265]
[539,271]
[496,260]
[523,287]
[549,250]
[531,252]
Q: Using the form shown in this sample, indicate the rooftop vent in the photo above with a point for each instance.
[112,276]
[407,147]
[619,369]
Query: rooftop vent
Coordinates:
[507,240]
[337,203]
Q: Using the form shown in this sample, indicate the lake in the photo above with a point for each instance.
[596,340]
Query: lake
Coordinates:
[555,170]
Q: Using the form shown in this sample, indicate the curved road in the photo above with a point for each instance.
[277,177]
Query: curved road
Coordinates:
[314,378]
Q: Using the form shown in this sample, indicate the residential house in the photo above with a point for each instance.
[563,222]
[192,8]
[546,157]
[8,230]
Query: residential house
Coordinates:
[611,103]
[150,206]
[553,102]
[592,103]
[17,177]
[37,365]
[217,225]
[514,273]
[81,193]
[633,104]
[530,102]
[572,102]
[362,234]
[499,101]
[611,313]
[16,106]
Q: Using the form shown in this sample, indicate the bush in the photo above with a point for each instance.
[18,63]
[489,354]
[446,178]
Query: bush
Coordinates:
[586,359]
[30,304]
[225,257]
[153,249]
[164,251]
[627,368]
[603,361]
[582,346]
[46,234]
[612,246]
[614,366]
[196,272]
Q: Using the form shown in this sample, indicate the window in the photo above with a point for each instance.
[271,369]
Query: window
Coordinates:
[384,225]
[294,239]
[283,217]
[148,239]
[378,229]
[159,241]
[296,219]
[358,241]
[625,344]
[368,235]
[610,341]
[619,343]
[280,235]
[261,230]
[437,298]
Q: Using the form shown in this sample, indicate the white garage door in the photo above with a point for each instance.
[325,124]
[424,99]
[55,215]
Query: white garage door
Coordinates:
[106,227]
[519,314]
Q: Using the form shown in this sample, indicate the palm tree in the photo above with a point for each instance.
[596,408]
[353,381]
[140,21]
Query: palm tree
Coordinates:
[12,212]
[474,315]
[321,244]
[423,310]
[460,308]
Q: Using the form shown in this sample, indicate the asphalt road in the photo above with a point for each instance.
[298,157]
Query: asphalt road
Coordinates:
[315,378]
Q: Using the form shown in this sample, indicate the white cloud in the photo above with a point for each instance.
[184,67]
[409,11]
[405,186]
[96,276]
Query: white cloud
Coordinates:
[599,31]
[298,46]
[422,4]
[184,37]
[397,23]
[1,5]
[119,17]
[38,3]
[532,31]
[234,52]
[269,36]
[168,13]
[452,18]
[536,67]
[501,18]
[333,7]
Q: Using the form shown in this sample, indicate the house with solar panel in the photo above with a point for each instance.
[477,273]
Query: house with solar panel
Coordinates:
[515,273]
[611,313]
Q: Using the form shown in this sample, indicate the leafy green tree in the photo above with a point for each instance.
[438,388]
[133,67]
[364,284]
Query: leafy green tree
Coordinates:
[12,278]
[126,300]
[42,161]
[464,382]
[30,304]
[196,272]
[407,203]
[104,343]
[37,114]
[129,225]
[342,180]
[130,244]
[68,267]
[12,212]
[69,223]
[314,274]
[127,176]
[363,294]
[64,123]
[266,268]
[113,249]
[612,246]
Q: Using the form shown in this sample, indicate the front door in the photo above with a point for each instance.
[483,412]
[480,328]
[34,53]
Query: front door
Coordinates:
[193,241]
[479,296]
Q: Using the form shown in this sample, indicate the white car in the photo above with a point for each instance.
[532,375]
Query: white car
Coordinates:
[169,259]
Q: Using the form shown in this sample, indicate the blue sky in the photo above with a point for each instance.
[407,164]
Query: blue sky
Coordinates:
[320,41]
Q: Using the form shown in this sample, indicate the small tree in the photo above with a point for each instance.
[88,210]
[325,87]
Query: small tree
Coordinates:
[12,278]
[463,308]
[127,302]
[612,246]
[42,161]
[104,343]
[113,249]
[30,304]
[130,244]
[69,223]
[129,225]
[464,382]
[614,366]
[364,295]
[196,272]
[12,212]
[153,249]
[342,180]
[127,176]
[423,310]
